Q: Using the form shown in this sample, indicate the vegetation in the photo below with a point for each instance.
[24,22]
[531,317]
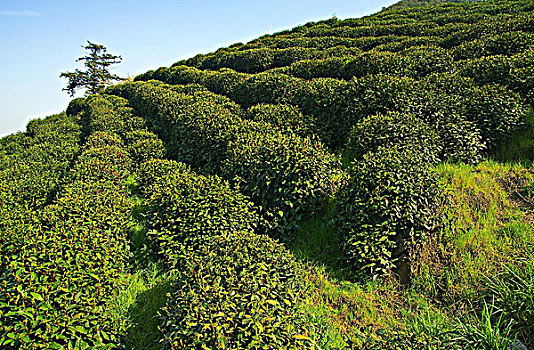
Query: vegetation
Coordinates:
[417,3]
[346,184]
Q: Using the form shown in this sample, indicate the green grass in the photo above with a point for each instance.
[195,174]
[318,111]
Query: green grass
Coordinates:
[512,293]
[316,241]
[138,305]
[144,292]
[485,331]
[341,313]
[486,228]
[347,311]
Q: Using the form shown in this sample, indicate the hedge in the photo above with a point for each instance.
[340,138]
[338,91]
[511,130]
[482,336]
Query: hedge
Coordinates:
[338,105]
[55,292]
[503,44]
[415,62]
[237,290]
[184,207]
[287,176]
[234,288]
[286,117]
[195,130]
[394,129]
[32,172]
[386,207]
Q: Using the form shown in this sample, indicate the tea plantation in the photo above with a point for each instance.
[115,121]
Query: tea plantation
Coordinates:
[347,184]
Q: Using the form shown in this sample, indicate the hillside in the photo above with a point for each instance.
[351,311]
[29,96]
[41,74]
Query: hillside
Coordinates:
[347,184]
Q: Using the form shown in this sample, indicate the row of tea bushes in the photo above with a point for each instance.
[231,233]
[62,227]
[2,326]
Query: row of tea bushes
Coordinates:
[285,117]
[416,62]
[212,138]
[233,288]
[506,44]
[32,171]
[56,292]
[36,160]
[447,28]
[337,105]
[195,128]
[515,72]
[406,29]
[447,35]
[261,59]
[456,14]
[183,207]
[119,118]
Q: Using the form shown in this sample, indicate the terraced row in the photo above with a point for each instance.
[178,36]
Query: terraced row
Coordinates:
[285,175]
[56,290]
[480,115]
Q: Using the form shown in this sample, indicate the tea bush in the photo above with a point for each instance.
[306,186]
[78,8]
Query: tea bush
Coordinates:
[385,207]
[286,117]
[32,171]
[391,130]
[143,146]
[184,207]
[287,176]
[235,290]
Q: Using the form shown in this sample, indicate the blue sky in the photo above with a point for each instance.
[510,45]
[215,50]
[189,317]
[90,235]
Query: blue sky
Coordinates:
[41,39]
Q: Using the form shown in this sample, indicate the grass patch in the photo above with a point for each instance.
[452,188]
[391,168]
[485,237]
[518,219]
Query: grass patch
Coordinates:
[512,294]
[486,230]
[341,314]
[345,314]
[138,305]
[317,242]
[144,291]
[485,331]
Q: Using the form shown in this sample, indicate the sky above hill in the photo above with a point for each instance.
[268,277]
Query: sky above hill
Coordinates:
[40,39]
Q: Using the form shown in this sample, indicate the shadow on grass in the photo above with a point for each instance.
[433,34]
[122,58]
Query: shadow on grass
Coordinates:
[143,314]
[317,242]
[519,145]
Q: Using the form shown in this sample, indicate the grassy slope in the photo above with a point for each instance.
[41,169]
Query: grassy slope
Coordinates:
[468,264]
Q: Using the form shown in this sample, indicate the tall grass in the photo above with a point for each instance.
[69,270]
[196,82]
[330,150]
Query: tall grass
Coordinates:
[486,331]
[513,294]
[139,303]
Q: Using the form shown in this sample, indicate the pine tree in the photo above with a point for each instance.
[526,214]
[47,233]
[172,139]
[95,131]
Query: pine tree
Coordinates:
[97,75]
